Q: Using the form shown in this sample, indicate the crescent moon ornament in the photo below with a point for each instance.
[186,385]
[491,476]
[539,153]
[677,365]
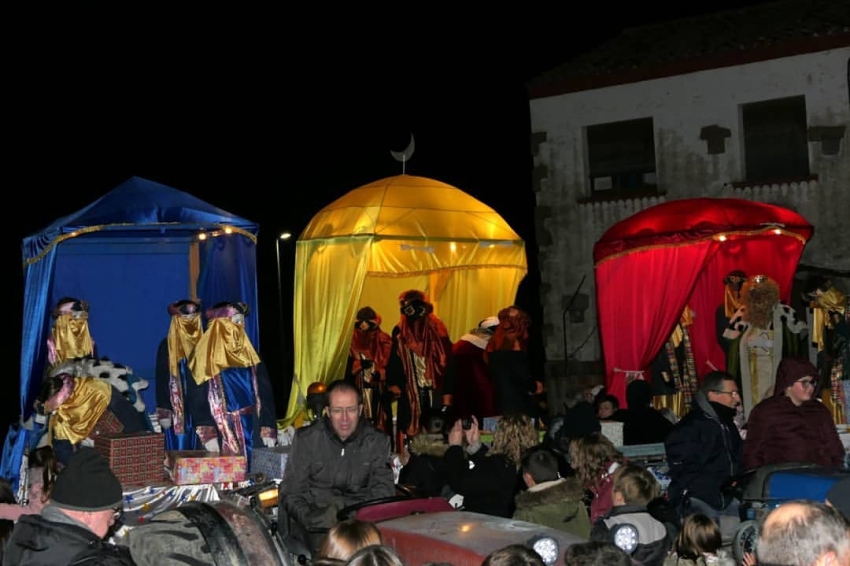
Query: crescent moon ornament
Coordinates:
[404,156]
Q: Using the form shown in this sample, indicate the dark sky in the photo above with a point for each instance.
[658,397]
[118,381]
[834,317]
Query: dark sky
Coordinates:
[273,115]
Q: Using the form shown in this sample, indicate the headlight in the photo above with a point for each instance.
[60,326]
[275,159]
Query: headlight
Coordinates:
[626,537]
[546,547]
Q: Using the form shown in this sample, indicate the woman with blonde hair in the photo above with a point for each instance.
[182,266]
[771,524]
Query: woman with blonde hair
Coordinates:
[375,555]
[595,459]
[347,537]
[489,478]
[699,543]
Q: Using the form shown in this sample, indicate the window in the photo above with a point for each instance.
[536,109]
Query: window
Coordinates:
[775,139]
[621,157]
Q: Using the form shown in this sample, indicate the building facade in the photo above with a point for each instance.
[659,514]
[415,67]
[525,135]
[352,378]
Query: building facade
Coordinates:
[717,106]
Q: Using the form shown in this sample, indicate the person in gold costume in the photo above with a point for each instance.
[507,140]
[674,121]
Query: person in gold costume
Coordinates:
[831,336]
[240,394]
[70,337]
[760,335]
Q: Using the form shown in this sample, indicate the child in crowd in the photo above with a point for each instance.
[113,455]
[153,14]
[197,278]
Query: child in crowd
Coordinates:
[629,524]
[551,500]
[699,544]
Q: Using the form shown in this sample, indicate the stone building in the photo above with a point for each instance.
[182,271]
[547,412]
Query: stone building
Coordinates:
[750,103]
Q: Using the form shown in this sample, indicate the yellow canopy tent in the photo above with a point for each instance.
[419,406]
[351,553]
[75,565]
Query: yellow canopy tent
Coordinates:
[386,237]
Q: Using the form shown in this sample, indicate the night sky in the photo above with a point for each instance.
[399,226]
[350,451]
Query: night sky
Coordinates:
[273,115]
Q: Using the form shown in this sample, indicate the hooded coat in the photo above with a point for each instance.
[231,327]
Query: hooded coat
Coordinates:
[779,431]
[557,504]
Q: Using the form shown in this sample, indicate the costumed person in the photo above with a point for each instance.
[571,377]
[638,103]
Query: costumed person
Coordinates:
[732,301]
[760,335]
[240,395]
[70,337]
[420,372]
[79,408]
[182,408]
[674,374]
[367,364]
[507,361]
[831,336]
[473,392]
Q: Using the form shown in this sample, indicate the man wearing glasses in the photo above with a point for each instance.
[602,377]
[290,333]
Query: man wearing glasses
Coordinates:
[86,503]
[335,462]
[791,426]
[704,450]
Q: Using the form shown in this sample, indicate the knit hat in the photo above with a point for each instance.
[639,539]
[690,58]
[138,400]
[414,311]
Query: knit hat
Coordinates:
[87,483]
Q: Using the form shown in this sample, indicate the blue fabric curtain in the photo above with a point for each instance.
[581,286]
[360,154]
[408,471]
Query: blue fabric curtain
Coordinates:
[221,281]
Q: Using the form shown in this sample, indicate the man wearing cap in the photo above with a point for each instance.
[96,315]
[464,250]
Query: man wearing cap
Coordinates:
[473,391]
[85,503]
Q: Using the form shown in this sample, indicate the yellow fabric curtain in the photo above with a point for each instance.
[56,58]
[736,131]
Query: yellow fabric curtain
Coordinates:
[382,239]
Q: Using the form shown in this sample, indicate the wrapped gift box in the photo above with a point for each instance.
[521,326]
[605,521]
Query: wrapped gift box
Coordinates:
[613,431]
[192,467]
[136,458]
[108,423]
[271,462]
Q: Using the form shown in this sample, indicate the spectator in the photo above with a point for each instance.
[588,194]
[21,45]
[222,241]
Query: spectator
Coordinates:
[347,537]
[606,406]
[699,544]
[513,555]
[595,459]
[791,426]
[633,488]
[803,533]
[425,468]
[489,484]
[704,450]
[42,474]
[642,423]
[551,500]
[86,502]
[596,553]
[375,555]
[336,462]
[579,419]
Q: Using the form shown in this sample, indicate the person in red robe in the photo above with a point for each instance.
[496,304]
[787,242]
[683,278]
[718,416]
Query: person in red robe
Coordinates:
[791,426]
[367,363]
[473,391]
[420,373]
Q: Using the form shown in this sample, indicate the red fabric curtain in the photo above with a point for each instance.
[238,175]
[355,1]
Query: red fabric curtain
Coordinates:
[640,297]
[654,263]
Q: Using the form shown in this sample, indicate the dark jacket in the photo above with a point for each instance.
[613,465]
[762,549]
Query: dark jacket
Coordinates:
[642,424]
[557,504]
[703,452]
[513,384]
[325,474]
[37,541]
[489,487]
[426,469]
[655,539]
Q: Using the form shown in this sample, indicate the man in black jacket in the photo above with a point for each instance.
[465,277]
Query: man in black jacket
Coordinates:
[335,462]
[85,503]
[704,450]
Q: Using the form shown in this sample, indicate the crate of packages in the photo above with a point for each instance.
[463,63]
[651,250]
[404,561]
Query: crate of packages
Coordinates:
[194,467]
[136,458]
[271,462]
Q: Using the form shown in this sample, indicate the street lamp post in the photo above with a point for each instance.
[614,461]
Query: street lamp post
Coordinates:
[283,348]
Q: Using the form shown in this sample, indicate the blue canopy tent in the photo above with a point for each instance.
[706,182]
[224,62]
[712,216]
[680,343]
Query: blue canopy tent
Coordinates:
[130,254]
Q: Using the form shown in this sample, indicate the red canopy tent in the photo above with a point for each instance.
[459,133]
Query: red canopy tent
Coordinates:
[651,265]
